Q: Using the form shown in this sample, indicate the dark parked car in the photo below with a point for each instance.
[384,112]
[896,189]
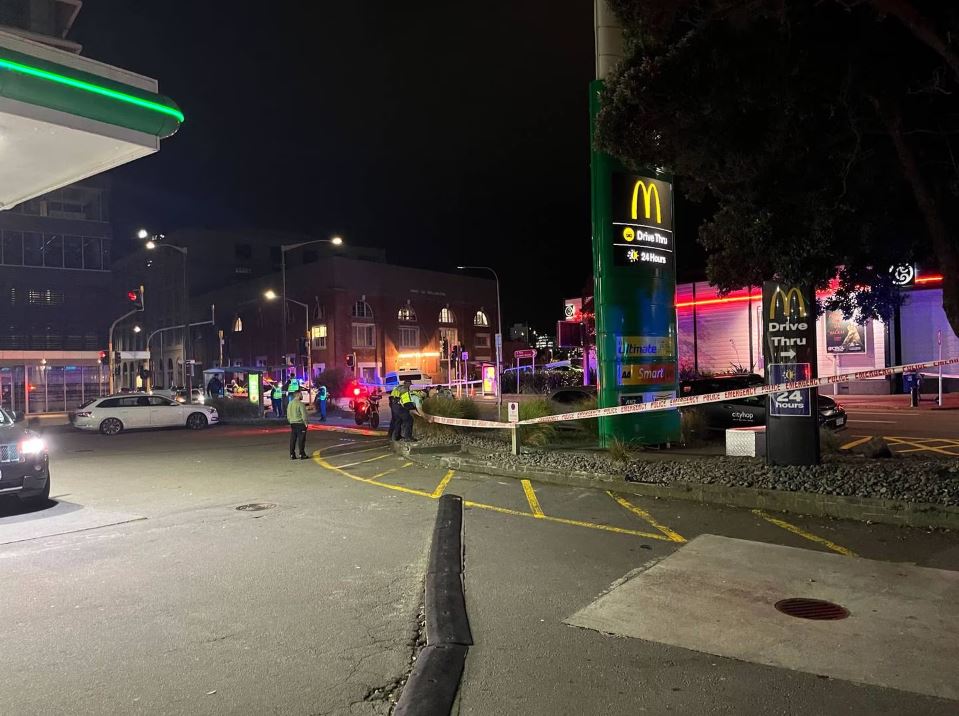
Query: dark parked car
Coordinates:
[749,412]
[24,463]
[570,396]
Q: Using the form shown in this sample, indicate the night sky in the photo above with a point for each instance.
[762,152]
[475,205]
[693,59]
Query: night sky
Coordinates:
[450,135]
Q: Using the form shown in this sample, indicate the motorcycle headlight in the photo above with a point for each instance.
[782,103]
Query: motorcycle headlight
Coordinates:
[32,446]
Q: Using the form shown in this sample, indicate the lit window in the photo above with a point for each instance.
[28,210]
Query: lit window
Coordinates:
[45,297]
[318,336]
[361,309]
[482,340]
[406,314]
[409,337]
[364,335]
[447,316]
[480,319]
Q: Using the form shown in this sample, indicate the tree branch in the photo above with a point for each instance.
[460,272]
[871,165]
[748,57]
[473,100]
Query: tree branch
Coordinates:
[921,27]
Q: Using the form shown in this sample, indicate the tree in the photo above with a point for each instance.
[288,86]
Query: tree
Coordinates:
[818,138]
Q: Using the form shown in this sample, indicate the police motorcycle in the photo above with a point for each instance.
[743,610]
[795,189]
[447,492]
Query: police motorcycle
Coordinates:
[366,407]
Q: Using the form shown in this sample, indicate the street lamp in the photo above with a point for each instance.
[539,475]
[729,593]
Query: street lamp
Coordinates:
[270,295]
[335,241]
[499,335]
[152,244]
[137,329]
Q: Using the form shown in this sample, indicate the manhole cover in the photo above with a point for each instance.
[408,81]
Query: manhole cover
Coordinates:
[256,506]
[811,609]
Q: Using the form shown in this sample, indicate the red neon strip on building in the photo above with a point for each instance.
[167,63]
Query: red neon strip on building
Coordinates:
[932,278]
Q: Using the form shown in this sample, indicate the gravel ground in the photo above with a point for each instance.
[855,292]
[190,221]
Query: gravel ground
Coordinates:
[905,479]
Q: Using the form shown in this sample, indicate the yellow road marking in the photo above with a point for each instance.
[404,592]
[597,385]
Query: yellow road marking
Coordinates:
[362,462]
[438,492]
[807,535]
[318,459]
[644,515]
[531,499]
[563,521]
[408,464]
[856,443]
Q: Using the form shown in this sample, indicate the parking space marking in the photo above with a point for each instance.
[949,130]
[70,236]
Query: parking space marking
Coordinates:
[921,444]
[644,515]
[531,499]
[363,462]
[789,527]
[856,443]
[438,492]
[319,460]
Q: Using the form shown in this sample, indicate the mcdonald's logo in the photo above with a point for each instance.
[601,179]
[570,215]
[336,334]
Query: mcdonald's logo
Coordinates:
[787,297]
[649,193]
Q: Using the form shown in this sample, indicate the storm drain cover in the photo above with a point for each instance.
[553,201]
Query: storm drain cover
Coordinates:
[811,609]
[256,506]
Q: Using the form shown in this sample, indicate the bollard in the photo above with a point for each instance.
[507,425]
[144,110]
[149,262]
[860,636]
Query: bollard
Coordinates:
[514,440]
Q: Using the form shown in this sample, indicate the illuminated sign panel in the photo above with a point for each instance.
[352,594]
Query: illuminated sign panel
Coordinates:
[647,374]
[844,336]
[642,222]
[645,347]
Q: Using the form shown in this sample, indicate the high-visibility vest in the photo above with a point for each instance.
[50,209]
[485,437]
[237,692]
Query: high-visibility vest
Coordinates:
[277,391]
[294,385]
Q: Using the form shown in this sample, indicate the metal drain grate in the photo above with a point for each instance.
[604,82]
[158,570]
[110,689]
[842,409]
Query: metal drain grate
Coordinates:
[256,506]
[811,609]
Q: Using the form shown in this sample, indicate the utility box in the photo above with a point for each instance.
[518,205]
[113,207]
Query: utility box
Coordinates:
[746,442]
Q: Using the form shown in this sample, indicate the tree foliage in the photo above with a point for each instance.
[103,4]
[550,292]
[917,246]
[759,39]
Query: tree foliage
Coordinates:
[818,137]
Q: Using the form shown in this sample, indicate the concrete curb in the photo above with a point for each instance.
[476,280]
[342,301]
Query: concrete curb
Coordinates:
[433,683]
[863,509]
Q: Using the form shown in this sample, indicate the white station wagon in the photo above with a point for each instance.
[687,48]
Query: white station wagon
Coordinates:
[136,411]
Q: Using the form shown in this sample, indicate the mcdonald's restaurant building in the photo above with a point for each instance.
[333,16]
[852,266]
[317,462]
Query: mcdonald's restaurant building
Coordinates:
[722,334]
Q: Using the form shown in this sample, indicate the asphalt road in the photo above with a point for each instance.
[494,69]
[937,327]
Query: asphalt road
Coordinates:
[145,591]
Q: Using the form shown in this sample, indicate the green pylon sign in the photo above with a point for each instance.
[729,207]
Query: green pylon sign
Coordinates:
[634,271]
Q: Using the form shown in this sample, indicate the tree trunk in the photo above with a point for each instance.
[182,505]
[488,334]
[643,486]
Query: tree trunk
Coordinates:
[944,246]
[921,27]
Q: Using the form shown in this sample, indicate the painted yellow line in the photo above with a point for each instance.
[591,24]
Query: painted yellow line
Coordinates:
[363,462]
[408,464]
[438,492]
[856,443]
[318,459]
[369,481]
[531,499]
[930,449]
[563,521]
[807,535]
[644,515]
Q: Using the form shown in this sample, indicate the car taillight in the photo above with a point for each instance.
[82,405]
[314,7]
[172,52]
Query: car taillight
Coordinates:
[83,414]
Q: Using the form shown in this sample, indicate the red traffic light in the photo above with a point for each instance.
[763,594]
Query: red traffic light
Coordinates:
[132,296]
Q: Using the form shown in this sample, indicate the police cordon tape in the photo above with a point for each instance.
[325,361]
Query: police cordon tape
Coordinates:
[691,400]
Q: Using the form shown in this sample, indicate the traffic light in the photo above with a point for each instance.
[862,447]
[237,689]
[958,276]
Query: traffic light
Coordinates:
[104,358]
[351,360]
[444,348]
[135,297]
[301,346]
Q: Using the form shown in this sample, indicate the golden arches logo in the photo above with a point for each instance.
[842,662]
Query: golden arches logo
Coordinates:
[649,192]
[787,297]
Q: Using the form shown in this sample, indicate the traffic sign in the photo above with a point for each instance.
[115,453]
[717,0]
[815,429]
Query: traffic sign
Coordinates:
[525,353]
[513,412]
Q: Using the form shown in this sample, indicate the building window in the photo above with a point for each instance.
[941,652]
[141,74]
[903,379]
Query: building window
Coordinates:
[319,312]
[45,297]
[409,337]
[482,340]
[368,374]
[91,253]
[318,336]
[53,250]
[364,335]
[480,319]
[406,314]
[447,316]
[32,248]
[260,362]
[12,248]
[72,252]
[361,309]
[449,335]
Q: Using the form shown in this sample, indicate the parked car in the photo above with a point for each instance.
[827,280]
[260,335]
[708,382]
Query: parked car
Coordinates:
[24,462]
[570,396]
[751,411]
[116,413]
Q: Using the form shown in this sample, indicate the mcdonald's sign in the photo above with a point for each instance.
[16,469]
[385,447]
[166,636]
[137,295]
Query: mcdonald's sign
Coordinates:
[786,301]
[650,193]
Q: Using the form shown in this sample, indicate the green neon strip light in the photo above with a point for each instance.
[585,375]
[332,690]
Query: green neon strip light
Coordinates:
[88,87]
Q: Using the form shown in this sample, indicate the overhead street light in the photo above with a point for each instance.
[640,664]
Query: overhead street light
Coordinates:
[499,337]
[271,295]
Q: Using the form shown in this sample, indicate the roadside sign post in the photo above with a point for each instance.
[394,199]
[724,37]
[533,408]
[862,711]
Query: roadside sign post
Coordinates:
[939,341]
[513,418]
[523,353]
[789,350]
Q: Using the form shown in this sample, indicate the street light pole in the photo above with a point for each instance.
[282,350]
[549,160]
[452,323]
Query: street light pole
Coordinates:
[335,241]
[270,295]
[153,243]
[499,336]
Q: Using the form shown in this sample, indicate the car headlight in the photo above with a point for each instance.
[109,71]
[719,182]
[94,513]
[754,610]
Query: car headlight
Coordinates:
[32,446]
